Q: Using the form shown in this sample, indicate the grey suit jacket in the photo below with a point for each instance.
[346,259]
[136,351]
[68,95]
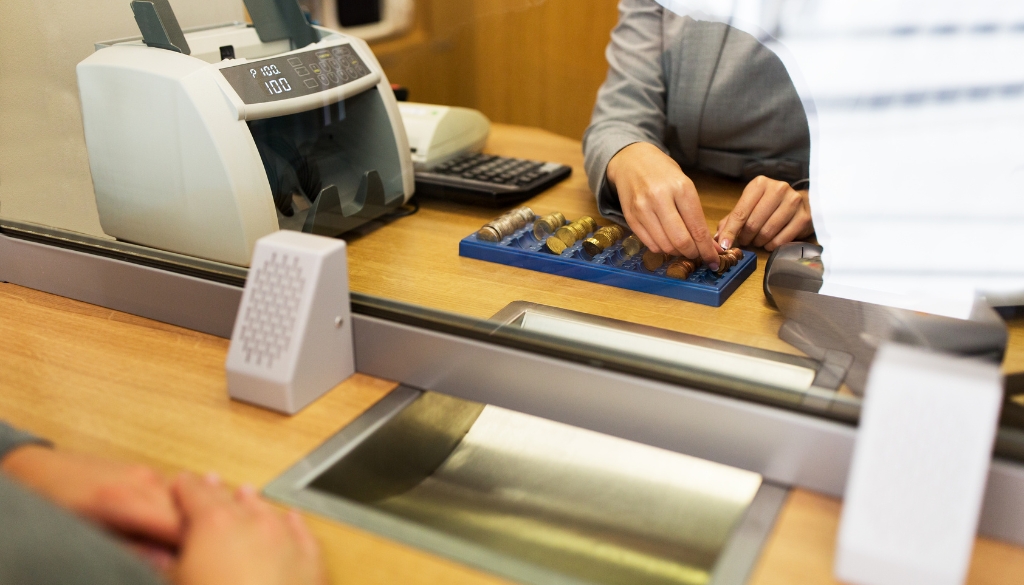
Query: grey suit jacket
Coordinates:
[710,96]
[41,544]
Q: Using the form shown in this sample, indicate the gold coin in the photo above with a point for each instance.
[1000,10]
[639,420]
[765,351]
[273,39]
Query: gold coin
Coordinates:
[603,239]
[631,246]
[592,246]
[654,260]
[567,234]
[556,245]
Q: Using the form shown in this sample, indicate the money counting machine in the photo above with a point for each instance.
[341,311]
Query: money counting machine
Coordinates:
[201,143]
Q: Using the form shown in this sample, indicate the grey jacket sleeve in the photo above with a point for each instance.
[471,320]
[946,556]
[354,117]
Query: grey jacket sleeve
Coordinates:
[11,438]
[41,544]
[631,104]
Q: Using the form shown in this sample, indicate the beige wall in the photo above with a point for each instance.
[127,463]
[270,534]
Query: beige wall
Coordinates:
[44,167]
[531,62]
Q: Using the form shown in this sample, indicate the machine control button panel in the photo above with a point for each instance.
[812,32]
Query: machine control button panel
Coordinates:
[299,74]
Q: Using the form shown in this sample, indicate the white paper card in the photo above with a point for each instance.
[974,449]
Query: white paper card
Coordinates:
[919,469]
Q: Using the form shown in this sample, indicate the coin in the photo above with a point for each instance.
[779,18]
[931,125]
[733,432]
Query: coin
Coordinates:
[488,234]
[567,234]
[737,253]
[679,270]
[654,260]
[588,223]
[525,213]
[593,246]
[723,264]
[602,238]
[545,226]
[556,245]
[542,228]
[631,246]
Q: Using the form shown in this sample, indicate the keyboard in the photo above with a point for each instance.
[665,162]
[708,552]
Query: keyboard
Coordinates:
[489,180]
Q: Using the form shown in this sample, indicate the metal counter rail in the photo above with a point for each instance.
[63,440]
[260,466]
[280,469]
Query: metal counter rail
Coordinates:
[777,434]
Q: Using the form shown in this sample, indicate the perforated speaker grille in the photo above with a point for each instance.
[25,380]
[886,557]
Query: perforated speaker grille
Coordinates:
[271,315]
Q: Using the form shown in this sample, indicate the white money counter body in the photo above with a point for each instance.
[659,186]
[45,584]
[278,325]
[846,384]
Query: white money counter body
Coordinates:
[202,156]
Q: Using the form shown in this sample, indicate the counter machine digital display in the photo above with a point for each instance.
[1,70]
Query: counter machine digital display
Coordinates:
[288,76]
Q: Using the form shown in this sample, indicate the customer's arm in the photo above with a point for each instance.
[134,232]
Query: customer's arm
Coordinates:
[625,156]
[133,501]
[40,544]
[196,532]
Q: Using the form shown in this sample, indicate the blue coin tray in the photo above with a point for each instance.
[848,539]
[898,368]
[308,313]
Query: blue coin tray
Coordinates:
[611,267]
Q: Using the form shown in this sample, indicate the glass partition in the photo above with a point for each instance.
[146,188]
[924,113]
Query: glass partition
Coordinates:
[534,69]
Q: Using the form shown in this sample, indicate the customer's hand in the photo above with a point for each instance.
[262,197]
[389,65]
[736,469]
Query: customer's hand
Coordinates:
[769,213]
[131,500]
[241,539]
[660,203]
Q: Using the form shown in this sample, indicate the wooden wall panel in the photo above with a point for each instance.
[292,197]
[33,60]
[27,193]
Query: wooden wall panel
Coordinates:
[530,62]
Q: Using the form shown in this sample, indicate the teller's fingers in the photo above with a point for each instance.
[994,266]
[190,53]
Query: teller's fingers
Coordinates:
[659,241]
[785,213]
[688,205]
[774,192]
[638,229]
[677,232]
[737,218]
[800,226]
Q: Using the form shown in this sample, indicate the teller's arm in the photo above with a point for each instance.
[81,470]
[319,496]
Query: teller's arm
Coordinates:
[631,104]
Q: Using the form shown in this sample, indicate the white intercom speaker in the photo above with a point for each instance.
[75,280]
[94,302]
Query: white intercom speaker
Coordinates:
[292,340]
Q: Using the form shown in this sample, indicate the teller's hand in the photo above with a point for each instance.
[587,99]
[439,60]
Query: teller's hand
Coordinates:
[660,203]
[769,213]
[132,501]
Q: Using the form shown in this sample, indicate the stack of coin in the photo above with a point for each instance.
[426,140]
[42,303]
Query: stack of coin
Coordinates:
[504,226]
[654,260]
[631,246]
[567,235]
[545,226]
[603,238]
[682,268]
[728,259]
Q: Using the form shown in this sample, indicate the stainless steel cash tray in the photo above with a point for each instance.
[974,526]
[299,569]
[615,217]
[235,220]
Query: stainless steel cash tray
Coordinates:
[534,500]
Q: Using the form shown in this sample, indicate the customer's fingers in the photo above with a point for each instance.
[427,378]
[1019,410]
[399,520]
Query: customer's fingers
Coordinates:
[197,496]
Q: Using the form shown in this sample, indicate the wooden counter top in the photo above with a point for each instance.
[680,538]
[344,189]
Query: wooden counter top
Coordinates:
[103,382]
